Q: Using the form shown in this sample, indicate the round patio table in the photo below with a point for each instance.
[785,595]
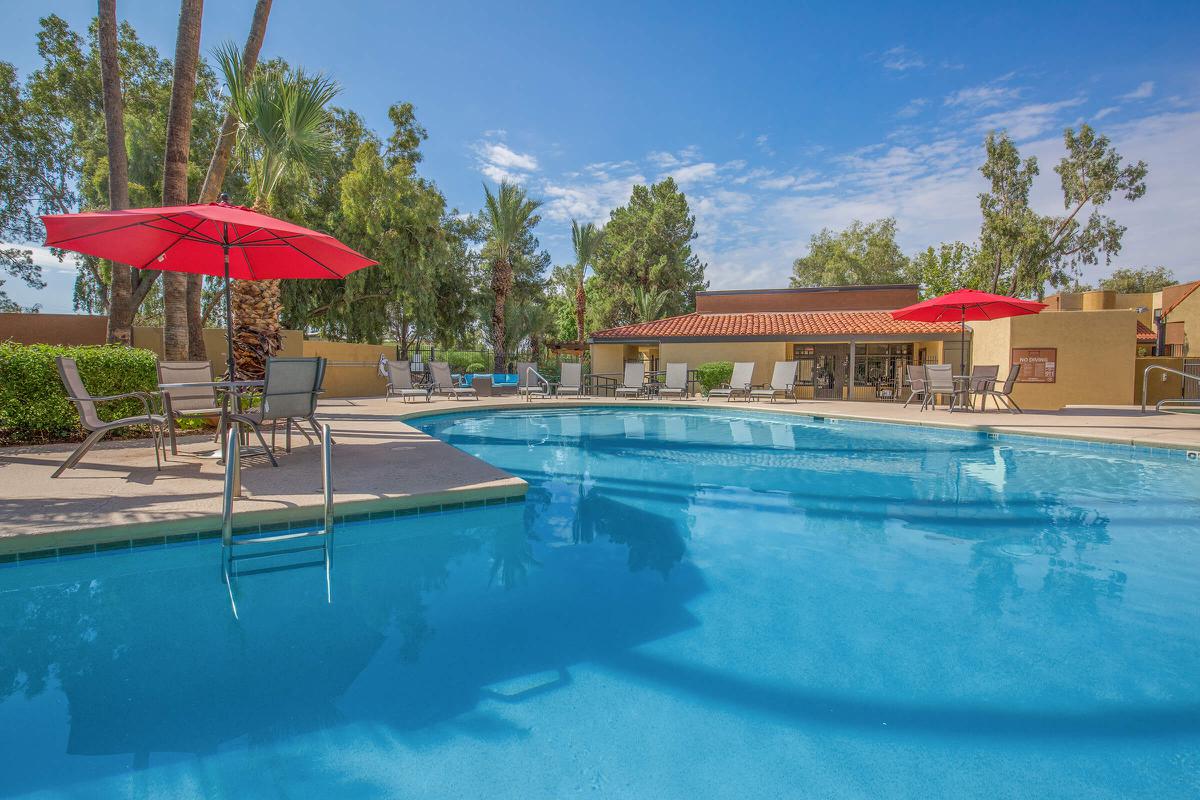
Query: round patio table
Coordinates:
[229,389]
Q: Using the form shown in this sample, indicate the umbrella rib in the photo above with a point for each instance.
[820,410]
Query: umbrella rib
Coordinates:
[178,239]
[286,243]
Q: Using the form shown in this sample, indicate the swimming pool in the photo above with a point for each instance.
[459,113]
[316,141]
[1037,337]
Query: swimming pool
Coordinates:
[688,604]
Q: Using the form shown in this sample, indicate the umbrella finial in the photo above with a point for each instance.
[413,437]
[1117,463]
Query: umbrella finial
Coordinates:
[223,197]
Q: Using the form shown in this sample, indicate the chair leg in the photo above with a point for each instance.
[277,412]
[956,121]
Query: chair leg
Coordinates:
[78,453]
[263,442]
[171,433]
[156,436]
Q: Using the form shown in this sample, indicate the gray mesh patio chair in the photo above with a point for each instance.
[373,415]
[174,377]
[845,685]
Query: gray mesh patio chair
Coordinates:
[1004,392]
[916,383]
[982,378]
[400,382]
[635,380]
[290,390]
[939,380]
[739,382]
[192,402]
[783,381]
[676,381]
[529,383]
[89,418]
[443,382]
[570,379]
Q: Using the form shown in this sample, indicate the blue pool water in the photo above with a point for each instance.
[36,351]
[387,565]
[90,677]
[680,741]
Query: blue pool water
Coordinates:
[688,605]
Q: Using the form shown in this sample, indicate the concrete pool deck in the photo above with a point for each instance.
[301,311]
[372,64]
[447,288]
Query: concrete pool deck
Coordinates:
[382,465]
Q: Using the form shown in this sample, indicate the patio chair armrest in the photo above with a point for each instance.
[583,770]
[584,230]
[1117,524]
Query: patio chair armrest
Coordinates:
[147,399]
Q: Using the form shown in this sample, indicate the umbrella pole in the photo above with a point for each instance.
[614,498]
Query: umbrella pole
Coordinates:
[228,317]
[962,342]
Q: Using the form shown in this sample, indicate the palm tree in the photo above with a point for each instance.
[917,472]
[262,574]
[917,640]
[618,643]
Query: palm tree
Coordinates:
[211,188]
[508,213]
[283,124]
[648,304]
[586,239]
[175,183]
[120,300]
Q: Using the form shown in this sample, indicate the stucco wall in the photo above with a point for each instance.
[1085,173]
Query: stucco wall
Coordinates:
[763,354]
[1095,362]
[1188,312]
[608,358]
[1163,385]
[62,329]
[358,379]
[214,344]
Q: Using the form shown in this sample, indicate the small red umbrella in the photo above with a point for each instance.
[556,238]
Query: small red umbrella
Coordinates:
[209,239]
[967,304]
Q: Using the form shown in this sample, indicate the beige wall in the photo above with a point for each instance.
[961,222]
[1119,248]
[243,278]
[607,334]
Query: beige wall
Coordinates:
[763,354]
[608,358]
[1095,359]
[1188,312]
[214,344]
[1163,385]
[358,375]
[63,329]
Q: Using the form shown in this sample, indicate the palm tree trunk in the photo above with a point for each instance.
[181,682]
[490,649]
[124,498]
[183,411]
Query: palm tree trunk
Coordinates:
[580,312]
[175,187]
[501,285]
[215,176]
[120,308]
[256,327]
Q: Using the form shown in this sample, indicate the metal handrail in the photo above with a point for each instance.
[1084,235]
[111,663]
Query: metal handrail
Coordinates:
[327,476]
[541,379]
[1175,400]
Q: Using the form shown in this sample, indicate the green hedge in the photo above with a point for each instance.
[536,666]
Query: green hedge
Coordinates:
[459,360]
[714,374]
[475,368]
[33,403]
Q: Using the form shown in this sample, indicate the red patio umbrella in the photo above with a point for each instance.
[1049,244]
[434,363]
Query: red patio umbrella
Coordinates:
[209,239]
[967,304]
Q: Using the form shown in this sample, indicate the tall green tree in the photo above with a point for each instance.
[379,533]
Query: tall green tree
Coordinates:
[175,168]
[862,254]
[649,304]
[586,240]
[509,215]
[283,125]
[1011,230]
[647,244]
[947,267]
[1138,281]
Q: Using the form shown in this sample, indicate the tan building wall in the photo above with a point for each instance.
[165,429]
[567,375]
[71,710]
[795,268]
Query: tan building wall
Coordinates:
[1095,361]
[608,359]
[837,298]
[763,354]
[353,368]
[214,344]
[1186,315]
[61,329]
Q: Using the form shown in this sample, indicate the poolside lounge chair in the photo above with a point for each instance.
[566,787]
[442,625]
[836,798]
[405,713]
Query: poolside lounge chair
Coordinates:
[939,380]
[443,382]
[783,381]
[982,378]
[400,382]
[1004,392]
[85,404]
[676,382]
[199,401]
[290,390]
[635,379]
[739,382]
[570,380]
[916,381]
[530,384]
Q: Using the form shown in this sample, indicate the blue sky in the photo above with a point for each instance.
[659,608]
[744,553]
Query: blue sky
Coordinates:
[777,119]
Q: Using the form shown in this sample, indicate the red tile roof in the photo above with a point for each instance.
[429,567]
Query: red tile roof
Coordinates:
[1144,334]
[790,324]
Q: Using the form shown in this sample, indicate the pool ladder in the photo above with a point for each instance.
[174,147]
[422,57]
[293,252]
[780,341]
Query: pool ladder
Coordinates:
[229,546]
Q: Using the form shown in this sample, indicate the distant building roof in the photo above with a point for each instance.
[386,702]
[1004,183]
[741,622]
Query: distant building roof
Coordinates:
[767,325]
[1145,335]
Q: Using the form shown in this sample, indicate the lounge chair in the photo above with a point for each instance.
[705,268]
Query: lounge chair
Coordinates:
[982,378]
[290,390]
[530,384]
[635,379]
[96,427]
[739,382]
[443,382]
[198,401]
[916,382]
[676,382]
[400,382]
[783,381]
[1004,392]
[939,380]
[570,380]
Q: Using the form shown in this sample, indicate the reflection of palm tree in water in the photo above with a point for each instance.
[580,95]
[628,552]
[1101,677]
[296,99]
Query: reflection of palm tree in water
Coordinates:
[512,556]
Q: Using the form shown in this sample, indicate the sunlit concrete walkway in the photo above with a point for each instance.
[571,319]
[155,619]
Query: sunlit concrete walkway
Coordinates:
[381,464]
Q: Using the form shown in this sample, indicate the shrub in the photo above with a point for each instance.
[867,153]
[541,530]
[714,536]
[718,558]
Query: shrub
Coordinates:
[33,403]
[459,360]
[713,374]
[475,368]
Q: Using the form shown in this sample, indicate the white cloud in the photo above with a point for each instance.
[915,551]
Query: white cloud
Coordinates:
[980,97]
[1144,90]
[1104,112]
[499,162]
[912,108]
[1030,120]
[44,257]
[901,59]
